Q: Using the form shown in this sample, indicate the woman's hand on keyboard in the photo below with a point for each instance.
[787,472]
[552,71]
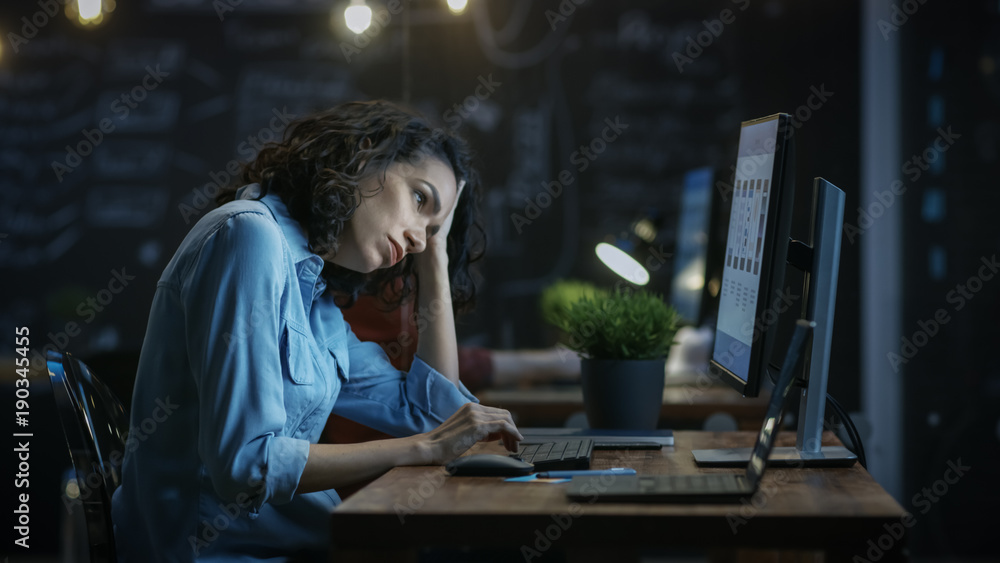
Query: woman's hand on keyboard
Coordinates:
[470,424]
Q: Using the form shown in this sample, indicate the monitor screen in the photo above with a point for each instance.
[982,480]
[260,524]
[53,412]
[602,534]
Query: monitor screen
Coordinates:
[755,254]
[688,283]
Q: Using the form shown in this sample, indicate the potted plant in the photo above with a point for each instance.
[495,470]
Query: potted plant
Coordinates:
[623,338]
[556,300]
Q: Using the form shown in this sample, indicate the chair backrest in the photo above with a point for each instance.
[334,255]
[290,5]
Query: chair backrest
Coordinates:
[95,425]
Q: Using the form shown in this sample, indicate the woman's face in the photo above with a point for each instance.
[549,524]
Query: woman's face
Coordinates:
[399,219]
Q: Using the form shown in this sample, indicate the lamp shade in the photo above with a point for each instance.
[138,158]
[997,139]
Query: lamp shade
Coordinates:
[621,263]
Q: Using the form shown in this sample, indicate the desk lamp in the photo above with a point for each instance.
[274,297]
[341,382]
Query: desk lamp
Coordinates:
[632,254]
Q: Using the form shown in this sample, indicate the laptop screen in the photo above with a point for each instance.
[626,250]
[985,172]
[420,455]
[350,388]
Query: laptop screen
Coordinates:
[769,431]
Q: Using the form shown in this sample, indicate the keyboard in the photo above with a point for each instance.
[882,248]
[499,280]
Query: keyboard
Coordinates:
[712,483]
[726,488]
[557,454]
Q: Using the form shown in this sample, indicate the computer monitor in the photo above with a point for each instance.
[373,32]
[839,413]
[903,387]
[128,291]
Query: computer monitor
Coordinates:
[754,264]
[687,287]
[754,298]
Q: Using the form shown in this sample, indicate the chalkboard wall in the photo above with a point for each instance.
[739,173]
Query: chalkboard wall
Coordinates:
[583,114]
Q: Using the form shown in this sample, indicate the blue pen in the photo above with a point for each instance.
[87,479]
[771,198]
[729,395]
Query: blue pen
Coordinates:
[571,472]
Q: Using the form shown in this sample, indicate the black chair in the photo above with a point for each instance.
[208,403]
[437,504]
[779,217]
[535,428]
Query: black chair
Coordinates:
[95,425]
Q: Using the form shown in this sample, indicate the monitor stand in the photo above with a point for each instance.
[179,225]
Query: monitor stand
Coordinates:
[821,263]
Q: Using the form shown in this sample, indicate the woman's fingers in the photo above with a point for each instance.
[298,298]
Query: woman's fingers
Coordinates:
[504,416]
[506,432]
[509,443]
[474,423]
[506,429]
[446,224]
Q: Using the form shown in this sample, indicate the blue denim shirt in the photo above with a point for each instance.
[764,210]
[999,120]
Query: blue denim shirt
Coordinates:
[244,359]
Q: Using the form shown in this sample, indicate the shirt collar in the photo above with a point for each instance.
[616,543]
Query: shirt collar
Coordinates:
[307,264]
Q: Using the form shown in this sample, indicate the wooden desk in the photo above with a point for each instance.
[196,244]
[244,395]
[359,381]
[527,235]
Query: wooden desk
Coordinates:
[836,511]
[684,406]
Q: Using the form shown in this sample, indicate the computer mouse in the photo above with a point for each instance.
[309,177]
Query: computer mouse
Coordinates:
[488,465]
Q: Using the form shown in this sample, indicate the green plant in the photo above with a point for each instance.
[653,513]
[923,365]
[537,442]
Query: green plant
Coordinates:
[557,298]
[623,324]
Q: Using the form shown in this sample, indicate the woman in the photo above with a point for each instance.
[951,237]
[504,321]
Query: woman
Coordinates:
[247,347]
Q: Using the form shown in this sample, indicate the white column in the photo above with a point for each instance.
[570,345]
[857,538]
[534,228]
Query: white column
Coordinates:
[881,247]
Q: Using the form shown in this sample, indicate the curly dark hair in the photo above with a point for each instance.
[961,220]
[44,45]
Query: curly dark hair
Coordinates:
[316,169]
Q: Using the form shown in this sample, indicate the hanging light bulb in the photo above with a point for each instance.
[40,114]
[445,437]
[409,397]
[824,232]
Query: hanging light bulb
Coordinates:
[89,13]
[89,9]
[457,6]
[358,16]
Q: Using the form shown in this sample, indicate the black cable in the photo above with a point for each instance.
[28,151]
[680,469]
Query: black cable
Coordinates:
[852,432]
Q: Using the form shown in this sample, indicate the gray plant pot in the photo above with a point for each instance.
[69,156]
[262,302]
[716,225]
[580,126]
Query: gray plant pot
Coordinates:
[622,394]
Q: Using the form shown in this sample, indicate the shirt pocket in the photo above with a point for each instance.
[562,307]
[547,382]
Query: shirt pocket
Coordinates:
[301,390]
[298,358]
[337,349]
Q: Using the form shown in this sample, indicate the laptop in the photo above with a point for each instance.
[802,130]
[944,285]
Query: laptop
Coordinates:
[604,439]
[702,487]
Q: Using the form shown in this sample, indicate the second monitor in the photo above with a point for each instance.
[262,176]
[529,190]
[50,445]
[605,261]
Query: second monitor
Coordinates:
[754,261]
[752,302]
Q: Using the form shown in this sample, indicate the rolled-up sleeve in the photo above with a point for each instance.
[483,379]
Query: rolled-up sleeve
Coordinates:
[231,296]
[399,403]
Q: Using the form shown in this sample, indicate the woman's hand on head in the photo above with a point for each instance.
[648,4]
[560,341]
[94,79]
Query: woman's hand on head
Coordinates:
[470,424]
[442,235]
[436,252]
